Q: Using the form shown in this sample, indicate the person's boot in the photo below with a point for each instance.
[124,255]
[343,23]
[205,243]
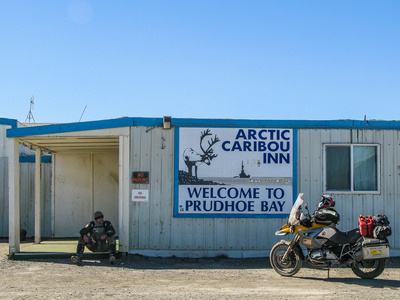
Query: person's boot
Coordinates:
[77,259]
[112,251]
[79,251]
[113,259]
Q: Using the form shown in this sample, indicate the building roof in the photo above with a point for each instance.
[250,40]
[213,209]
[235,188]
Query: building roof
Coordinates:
[103,135]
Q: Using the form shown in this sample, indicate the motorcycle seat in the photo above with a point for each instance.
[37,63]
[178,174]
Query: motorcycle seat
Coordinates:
[349,237]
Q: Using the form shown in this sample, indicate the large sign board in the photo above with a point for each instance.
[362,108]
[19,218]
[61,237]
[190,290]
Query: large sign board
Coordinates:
[234,172]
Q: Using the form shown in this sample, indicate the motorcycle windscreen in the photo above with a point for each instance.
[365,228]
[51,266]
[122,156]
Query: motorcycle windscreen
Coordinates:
[293,220]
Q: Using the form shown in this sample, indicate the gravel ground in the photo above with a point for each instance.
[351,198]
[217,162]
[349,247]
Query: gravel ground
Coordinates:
[139,277]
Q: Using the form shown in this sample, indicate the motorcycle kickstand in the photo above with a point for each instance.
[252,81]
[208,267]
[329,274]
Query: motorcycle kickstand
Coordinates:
[327,269]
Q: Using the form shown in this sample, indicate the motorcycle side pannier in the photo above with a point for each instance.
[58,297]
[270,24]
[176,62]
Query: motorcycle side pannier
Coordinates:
[375,249]
[326,216]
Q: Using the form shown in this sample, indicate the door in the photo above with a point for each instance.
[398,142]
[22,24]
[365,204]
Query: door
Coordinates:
[83,184]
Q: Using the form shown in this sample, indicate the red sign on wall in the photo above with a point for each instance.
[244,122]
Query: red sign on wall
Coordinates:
[140,177]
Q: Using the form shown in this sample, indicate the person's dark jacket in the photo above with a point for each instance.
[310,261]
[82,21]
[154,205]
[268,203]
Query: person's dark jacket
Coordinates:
[88,229]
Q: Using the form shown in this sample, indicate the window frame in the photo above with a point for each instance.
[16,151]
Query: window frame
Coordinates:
[352,191]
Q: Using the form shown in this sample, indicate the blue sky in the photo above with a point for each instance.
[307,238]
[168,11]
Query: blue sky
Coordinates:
[315,60]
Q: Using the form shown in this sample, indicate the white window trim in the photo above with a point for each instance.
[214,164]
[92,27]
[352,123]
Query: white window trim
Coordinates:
[351,145]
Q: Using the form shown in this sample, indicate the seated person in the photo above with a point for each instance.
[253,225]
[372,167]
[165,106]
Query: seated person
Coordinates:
[97,236]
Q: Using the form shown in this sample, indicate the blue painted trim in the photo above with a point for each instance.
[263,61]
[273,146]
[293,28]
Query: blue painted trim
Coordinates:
[181,122]
[32,159]
[150,122]
[227,216]
[295,124]
[69,127]
[11,122]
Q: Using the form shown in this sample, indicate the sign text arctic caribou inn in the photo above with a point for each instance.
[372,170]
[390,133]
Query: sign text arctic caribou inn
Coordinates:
[234,172]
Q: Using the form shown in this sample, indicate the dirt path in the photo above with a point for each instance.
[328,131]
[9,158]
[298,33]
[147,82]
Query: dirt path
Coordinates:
[174,278]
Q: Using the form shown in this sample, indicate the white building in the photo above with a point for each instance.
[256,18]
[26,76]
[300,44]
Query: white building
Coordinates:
[206,187]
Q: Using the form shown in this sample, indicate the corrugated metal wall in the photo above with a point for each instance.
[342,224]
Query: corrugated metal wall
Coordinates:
[3,196]
[152,224]
[27,190]
[350,206]
[27,194]
[3,140]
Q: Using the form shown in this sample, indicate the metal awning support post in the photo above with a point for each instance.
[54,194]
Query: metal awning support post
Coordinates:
[13,196]
[124,193]
[38,194]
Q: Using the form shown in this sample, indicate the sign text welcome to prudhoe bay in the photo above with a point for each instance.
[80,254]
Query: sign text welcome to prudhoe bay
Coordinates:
[265,154]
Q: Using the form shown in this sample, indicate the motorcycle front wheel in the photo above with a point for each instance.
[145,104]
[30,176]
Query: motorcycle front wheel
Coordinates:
[369,269]
[285,267]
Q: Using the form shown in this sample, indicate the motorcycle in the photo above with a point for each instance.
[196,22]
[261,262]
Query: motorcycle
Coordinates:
[326,246]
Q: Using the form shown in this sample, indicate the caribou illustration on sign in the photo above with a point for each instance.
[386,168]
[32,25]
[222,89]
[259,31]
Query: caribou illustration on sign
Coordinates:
[195,159]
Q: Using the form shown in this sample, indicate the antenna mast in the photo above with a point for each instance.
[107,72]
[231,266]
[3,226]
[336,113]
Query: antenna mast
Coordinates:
[30,117]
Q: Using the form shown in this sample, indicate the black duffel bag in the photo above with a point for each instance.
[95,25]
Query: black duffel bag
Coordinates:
[381,220]
[382,228]
[381,232]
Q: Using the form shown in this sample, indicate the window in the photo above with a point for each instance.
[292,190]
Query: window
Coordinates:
[351,168]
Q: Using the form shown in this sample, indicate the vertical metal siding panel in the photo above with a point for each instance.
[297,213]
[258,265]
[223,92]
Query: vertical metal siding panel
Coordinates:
[4,196]
[3,140]
[263,225]
[156,178]
[270,229]
[209,233]
[3,183]
[188,241]
[167,190]
[390,176]
[242,237]
[385,172]
[316,167]
[27,197]
[135,206]
[179,226]
[248,233]
[395,224]
[144,207]
[199,234]
[256,242]
[252,240]
[46,200]
[178,233]
[231,234]
[303,162]
[220,234]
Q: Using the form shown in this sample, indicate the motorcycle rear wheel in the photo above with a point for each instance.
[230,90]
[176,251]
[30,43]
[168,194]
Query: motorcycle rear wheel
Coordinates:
[288,267]
[369,269]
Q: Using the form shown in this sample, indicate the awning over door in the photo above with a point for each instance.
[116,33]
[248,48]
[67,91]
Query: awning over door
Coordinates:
[84,137]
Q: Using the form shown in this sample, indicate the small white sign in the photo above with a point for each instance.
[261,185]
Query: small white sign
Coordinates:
[140,195]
